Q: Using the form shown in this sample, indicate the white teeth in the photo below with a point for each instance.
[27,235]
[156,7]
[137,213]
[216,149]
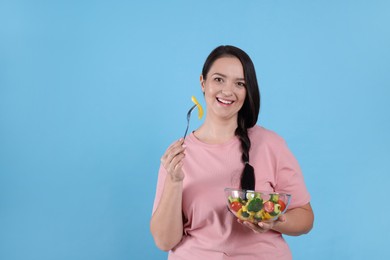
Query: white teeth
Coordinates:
[225,101]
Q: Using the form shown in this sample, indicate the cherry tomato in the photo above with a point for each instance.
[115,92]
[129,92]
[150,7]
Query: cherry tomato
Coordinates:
[282,205]
[269,206]
[236,206]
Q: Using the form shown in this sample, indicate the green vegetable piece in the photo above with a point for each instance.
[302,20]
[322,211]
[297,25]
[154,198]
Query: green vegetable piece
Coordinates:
[245,214]
[255,205]
[250,195]
[259,216]
[274,198]
[276,210]
[231,199]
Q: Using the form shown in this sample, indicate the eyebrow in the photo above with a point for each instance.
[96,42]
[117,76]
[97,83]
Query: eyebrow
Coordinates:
[224,76]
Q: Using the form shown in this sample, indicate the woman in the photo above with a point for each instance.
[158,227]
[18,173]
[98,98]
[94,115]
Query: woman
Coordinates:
[190,218]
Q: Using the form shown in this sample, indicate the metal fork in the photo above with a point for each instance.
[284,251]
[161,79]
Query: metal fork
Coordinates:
[188,120]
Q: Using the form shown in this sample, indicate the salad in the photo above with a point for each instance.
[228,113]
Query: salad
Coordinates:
[255,207]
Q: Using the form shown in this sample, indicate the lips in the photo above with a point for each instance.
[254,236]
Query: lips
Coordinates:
[225,101]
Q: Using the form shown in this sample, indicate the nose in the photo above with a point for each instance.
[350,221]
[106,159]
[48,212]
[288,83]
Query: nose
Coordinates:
[226,93]
[227,89]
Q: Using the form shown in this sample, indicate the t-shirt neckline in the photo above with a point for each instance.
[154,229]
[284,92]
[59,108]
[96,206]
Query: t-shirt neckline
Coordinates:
[194,139]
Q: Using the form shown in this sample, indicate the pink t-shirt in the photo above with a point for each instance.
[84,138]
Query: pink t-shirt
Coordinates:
[210,230]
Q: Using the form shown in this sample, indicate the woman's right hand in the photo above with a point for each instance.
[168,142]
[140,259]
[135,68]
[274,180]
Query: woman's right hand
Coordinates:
[172,160]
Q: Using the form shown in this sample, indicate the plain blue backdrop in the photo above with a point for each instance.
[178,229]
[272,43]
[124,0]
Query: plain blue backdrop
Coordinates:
[92,93]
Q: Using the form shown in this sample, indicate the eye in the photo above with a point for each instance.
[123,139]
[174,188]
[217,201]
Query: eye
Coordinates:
[241,84]
[218,79]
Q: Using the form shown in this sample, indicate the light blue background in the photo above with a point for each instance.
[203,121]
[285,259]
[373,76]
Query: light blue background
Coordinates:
[92,92]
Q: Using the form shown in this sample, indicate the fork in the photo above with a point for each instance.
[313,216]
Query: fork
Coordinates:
[188,120]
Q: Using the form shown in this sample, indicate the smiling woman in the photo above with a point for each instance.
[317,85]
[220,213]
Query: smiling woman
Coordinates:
[190,218]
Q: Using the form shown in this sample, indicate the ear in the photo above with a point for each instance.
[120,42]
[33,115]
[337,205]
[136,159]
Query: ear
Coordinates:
[202,83]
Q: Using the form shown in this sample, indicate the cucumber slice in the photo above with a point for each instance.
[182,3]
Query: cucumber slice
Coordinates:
[277,210]
[250,195]
[231,199]
[274,198]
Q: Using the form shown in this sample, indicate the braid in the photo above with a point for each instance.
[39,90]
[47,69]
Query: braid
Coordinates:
[248,174]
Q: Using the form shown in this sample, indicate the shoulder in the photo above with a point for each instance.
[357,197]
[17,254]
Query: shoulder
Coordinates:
[262,134]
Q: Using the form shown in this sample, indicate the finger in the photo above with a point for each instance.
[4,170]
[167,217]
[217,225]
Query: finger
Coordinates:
[178,166]
[176,171]
[265,226]
[175,155]
[172,150]
[180,141]
[177,142]
[259,228]
[254,227]
[175,162]
[282,218]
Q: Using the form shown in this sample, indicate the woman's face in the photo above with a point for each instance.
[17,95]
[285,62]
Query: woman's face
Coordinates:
[224,88]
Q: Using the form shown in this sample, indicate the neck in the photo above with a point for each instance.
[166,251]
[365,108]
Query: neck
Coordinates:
[216,131]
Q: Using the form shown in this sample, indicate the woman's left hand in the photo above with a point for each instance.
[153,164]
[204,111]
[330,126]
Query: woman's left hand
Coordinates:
[263,227]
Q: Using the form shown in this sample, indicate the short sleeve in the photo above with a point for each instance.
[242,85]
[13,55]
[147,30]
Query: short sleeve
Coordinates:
[289,177]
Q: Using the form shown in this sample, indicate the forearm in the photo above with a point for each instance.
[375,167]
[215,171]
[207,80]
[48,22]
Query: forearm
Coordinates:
[167,223]
[298,221]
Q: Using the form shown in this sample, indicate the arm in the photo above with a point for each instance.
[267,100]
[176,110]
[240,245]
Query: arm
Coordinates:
[166,224]
[297,221]
[294,222]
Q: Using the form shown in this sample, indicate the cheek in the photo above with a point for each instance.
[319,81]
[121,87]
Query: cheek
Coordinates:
[210,90]
[243,95]
[208,94]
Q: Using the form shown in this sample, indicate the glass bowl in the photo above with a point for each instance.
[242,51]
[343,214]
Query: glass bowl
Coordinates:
[256,206]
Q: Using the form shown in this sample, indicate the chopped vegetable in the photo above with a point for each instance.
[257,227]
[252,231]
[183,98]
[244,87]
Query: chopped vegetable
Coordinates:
[269,206]
[200,109]
[245,214]
[282,205]
[259,216]
[255,205]
[274,198]
[276,210]
[235,205]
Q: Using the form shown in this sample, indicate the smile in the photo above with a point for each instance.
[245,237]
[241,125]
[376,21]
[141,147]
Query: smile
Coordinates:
[225,102]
